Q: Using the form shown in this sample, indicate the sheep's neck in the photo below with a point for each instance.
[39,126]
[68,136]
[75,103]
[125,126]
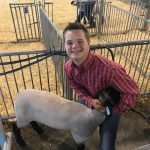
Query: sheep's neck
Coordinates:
[95,117]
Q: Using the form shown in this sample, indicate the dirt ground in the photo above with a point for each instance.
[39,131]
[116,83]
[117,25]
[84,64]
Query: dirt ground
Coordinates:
[133,131]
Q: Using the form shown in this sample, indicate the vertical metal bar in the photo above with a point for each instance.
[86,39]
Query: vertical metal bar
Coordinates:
[39,73]
[48,75]
[22,72]
[139,63]
[55,72]
[33,21]
[48,10]
[22,24]
[102,4]
[138,57]
[30,72]
[132,56]
[26,23]
[13,21]
[63,75]
[38,20]
[126,56]
[37,23]
[147,85]
[121,51]
[147,55]
[14,74]
[3,99]
[144,76]
[18,23]
[52,12]
[29,21]
[10,94]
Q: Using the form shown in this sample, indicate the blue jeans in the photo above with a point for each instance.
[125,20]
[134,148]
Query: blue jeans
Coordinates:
[107,130]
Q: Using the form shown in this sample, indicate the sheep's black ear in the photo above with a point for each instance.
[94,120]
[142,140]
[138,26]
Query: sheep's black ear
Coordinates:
[18,137]
[115,96]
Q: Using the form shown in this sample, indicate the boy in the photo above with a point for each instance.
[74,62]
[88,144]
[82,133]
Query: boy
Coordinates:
[89,73]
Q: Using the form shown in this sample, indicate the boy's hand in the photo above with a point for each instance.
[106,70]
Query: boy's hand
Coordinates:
[98,105]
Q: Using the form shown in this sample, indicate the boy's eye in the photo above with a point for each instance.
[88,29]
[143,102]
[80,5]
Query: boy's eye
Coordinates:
[80,42]
[69,43]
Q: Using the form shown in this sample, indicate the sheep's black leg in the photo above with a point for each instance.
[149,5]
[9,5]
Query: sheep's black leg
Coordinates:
[36,127]
[80,146]
[39,130]
[18,136]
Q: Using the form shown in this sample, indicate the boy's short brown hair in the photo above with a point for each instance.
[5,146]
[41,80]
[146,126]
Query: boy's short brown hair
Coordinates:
[76,26]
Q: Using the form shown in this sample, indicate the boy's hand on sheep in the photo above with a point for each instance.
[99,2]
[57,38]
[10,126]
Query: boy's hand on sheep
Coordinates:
[98,105]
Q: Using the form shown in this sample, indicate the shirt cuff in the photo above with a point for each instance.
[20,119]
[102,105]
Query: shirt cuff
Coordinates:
[89,103]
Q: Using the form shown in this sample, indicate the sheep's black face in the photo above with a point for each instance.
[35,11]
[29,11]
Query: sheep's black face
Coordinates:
[109,97]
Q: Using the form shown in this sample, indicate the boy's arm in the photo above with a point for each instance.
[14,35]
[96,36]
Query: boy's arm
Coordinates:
[127,87]
[80,91]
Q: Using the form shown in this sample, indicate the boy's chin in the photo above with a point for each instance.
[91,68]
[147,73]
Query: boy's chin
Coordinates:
[76,57]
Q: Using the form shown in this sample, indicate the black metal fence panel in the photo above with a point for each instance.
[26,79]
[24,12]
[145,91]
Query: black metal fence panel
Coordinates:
[26,70]
[37,70]
[113,24]
[140,8]
[26,20]
[120,25]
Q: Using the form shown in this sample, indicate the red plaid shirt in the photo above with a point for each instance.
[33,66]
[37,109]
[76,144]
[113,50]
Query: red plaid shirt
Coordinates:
[98,73]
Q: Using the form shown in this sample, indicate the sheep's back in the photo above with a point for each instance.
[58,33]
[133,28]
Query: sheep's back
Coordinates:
[47,108]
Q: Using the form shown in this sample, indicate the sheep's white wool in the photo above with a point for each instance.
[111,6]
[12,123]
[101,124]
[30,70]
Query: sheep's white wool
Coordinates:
[56,112]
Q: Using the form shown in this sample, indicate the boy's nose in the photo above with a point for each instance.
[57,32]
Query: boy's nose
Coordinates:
[75,44]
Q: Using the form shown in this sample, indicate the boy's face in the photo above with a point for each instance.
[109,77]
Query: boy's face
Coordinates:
[76,46]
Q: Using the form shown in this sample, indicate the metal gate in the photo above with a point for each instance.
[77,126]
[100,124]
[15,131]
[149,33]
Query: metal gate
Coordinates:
[26,21]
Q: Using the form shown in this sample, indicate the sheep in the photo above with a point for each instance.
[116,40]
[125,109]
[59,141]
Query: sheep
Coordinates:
[33,106]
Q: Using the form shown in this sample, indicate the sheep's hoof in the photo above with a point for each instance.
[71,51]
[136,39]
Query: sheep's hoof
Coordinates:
[81,147]
[26,148]
[18,136]
[147,131]
[22,143]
